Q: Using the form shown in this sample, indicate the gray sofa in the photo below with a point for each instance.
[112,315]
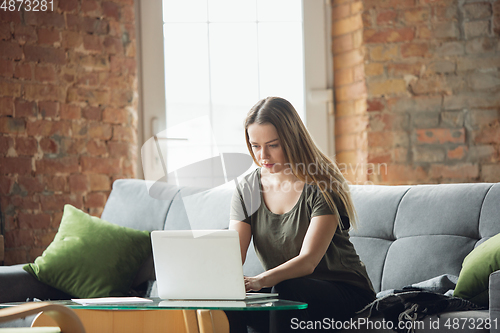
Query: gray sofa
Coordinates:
[406,234]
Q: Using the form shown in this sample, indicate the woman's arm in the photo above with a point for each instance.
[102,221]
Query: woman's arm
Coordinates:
[316,241]
[245,233]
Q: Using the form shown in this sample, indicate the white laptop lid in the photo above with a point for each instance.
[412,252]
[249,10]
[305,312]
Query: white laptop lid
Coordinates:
[198,264]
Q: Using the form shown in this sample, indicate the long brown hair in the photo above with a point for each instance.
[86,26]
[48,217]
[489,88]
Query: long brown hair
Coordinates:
[301,152]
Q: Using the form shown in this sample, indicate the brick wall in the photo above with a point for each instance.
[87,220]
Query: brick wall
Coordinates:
[433,83]
[68,115]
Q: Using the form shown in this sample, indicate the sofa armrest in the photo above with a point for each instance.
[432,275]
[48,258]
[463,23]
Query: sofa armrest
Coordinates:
[494,295]
[17,285]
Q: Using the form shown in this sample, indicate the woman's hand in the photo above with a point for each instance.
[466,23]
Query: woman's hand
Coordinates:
[253,283]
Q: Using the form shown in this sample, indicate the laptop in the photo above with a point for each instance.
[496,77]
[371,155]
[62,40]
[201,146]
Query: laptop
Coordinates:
[200,265]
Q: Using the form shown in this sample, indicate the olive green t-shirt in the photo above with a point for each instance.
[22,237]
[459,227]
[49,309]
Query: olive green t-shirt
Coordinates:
[278,237]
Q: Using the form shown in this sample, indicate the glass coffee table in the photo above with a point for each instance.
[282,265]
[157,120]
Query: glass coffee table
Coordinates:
[183,316]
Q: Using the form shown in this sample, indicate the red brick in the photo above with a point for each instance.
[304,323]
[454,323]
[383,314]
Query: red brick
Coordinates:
[6,184]
[26,146]
[8,16]
[92,96]
[5,31]
[55,183]
[88,79]
[401,69]
[44,92]
[5,143]
[115,116]
[34,221]
[440,135]
[12,125]
[42,238]
[78,183]
[71,39]
[414,50]
[98,165]
[95,25]
[25,109]
[57,201]
[389,35]
[48,128]
[128,12]
[30,184]
[122,133]
[56,219]
[48,109]
[48,19]
[15,256]
[432,85]
[6,106]
[6,68]
[417,15]
[68,5]
[92,43]
[350,91]
[23,71]
[90,62]
[387,17]
[11,89]
[10,50]
[49,146]
[398,174]
[24,33]
[92,113]
[375,104]
[111,10]
[380,139]
[54,166]
[45,54]
[490,173]
[69,111]
[113,45]
[48,36]
[460,171]
[95,200]
[118,149]
[126,66]
[457,153]
[100,131]
[74,22]
[18,238]
[45,73]
[96,148]
[488,135]
[15,165]
[99,182]
[388,4]
[90,6]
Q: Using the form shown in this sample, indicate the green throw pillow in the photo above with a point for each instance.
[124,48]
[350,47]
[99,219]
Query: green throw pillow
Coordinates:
[90,257]
[473,280]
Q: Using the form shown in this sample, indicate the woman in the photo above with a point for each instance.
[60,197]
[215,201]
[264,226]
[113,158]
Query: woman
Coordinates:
[298,210]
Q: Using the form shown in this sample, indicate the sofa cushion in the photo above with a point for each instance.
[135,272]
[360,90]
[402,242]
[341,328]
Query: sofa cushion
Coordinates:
[90,257]
[476,269]
[139,204]
[408,234]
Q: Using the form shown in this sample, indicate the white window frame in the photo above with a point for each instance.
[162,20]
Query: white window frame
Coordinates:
[318,73]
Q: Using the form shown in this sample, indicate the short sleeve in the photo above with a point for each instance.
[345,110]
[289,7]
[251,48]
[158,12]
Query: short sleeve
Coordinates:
[238,211]
[320,207]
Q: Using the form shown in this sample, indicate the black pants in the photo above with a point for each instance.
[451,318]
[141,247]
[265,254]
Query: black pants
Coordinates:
[327,302]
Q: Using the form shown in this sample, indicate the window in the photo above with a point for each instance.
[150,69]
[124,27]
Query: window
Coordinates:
[221,57]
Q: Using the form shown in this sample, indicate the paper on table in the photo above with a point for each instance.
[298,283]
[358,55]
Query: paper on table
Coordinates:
[111,300]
